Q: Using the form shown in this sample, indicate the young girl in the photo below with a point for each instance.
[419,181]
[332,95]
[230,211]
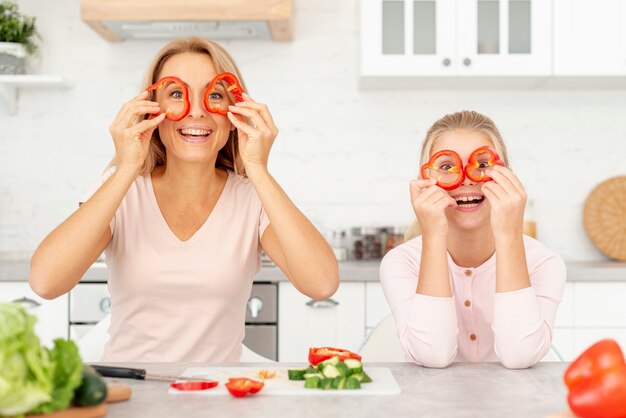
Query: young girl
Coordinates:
[472,287]
[184,214]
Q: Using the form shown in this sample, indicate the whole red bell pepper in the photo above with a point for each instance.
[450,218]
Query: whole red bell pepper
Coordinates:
[319,354]
[232,86]
[600,396]
[478,163]
[184,99]
[602,356]
[454,172]
[242,386]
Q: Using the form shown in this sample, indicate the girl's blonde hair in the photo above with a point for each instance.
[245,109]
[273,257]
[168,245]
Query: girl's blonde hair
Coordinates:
[228,157]
[464,120]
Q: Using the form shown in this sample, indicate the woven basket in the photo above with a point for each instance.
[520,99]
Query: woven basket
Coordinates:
[604,217]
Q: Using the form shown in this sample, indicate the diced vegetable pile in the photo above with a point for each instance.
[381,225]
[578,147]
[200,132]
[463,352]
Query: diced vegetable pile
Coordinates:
[332,373]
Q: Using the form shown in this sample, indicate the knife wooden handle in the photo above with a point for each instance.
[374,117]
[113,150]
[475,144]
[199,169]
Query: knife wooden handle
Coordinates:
[121,372]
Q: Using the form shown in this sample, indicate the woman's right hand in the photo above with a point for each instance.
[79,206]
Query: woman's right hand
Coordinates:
[132,140]
[429,203]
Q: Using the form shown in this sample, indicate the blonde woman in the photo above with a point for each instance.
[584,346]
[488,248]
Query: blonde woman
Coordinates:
[183,214]
[472,287]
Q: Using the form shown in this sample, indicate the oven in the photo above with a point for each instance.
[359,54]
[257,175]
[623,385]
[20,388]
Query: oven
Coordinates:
[89,302]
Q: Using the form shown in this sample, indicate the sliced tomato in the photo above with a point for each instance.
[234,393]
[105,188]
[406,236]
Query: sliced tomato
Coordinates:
[241,386]
[196,385]
[319,354]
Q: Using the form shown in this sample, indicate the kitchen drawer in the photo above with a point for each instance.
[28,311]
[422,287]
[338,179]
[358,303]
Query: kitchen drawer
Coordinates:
[600,305]
[89,303]
[565,312]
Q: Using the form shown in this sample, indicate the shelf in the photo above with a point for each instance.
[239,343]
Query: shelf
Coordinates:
[10,85]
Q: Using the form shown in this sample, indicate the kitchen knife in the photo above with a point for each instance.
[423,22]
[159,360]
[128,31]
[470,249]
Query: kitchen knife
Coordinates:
[138,374]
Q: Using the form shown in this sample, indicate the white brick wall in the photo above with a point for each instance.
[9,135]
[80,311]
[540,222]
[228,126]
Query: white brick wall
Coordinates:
[344,155]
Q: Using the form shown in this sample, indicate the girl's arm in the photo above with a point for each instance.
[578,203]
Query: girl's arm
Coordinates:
[290,240]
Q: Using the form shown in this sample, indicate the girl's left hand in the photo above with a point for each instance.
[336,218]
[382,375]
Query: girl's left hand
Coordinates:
[255,137]
[507,198]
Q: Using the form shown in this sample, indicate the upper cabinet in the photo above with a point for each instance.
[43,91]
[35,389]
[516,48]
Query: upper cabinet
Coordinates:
[589,37]
[491,41]
[455,37]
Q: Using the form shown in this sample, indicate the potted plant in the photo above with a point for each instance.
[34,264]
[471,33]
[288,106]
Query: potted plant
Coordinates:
[17,39]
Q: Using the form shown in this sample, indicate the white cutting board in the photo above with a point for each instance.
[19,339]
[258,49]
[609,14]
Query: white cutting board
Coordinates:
[383,382]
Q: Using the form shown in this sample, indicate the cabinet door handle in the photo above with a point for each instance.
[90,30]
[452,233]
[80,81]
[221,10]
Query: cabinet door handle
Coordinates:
[27,302]
[446,62]
[467,62]
[105,305]
[322,304]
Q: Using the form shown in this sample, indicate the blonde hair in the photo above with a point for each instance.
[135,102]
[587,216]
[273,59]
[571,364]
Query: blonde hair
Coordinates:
[464,120]
[228,157]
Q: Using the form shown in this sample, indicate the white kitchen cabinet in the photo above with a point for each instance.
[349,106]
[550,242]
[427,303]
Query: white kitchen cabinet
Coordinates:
[376,306]
[589,37]
[336,322]
[52,315]
[456,38]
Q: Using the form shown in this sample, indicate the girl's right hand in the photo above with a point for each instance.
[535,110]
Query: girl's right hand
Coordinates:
[132,140]
[429,204]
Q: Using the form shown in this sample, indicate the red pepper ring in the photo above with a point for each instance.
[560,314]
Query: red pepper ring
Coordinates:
[473,169]
[241,386]
[233,87]
[184,100]
[319,354]
[196,385]
[456,174]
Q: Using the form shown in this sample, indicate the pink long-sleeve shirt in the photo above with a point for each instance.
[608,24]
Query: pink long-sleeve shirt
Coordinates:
[476,324]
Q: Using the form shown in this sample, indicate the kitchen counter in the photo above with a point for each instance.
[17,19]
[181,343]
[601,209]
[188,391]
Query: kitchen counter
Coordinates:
[461,390]
[349,271]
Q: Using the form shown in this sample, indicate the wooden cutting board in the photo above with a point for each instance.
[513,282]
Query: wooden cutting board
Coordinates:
[115,393]
[383,382]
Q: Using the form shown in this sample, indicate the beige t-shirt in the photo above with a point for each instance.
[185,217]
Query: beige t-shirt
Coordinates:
[176,300]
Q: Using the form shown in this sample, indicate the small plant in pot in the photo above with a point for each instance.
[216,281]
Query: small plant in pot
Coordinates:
[18,35]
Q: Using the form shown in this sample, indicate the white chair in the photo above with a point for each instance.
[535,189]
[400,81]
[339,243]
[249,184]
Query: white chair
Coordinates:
[383,344]
[91,345]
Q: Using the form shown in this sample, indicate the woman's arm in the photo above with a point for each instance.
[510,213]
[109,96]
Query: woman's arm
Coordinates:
[67,252]
[290,240]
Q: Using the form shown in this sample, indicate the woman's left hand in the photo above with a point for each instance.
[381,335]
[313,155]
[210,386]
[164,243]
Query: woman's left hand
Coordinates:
[256,133]
[507,198]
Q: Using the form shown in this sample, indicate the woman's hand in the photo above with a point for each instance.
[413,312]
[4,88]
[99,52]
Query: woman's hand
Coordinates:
[507,198]
[132,140]
[255,137]
[429,203]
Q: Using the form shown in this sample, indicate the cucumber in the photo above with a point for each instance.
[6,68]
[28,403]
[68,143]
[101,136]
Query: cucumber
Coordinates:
[339,382]
[354,365]
[311,369]
[326,383]
[92,389]
[312,382]
[333,360]
[296,374]
[310,375]
[362,377]
[343,369]
[352,383]
[330,371]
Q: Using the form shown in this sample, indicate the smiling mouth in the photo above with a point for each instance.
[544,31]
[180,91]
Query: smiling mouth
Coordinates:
[468,202]
[195,135]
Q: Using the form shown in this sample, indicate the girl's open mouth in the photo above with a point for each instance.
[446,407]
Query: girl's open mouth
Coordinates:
[194,135]
[466,203]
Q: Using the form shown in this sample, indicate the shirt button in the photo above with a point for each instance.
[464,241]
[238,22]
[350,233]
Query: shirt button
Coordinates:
[468,272]
[467,303]
[473,337]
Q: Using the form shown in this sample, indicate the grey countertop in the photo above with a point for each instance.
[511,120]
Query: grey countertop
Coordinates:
[349,271]
[461,390]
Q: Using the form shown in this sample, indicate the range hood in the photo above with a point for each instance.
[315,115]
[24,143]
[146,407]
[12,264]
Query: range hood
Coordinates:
[118,20]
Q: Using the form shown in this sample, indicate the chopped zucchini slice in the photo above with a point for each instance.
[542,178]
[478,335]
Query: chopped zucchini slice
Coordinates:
[310,375]
[352,383]
[339,382]
[343,369]
[296,374]
[312,382]
[330,371]
[326,383]
[354,365]
[362,377]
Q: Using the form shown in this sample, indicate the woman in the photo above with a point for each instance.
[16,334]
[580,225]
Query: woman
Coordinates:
[471,288]
[183,214]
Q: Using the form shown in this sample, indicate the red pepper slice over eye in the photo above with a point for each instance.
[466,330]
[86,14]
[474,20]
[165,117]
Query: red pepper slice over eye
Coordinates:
[241,386]
[196,385]
[446,167]
[223,84]
[172,95]
[479,161]
[319,354]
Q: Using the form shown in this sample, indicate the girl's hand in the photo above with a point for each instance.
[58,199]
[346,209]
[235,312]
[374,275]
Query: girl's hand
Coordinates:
[507,198]
[131,139]
[429,203]
[255,137]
